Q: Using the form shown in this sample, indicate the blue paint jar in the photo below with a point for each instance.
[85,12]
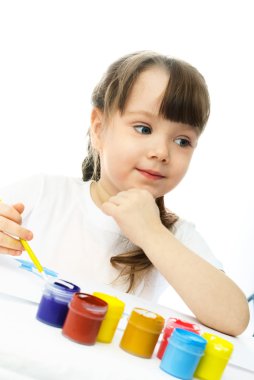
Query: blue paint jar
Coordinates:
[183,353]
[53,307]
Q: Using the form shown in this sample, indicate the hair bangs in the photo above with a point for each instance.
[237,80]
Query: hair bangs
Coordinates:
[186,98]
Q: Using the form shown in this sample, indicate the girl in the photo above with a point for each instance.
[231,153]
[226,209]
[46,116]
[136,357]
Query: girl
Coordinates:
[148,113]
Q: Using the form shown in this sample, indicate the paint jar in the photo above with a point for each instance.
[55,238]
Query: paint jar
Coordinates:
[215,359]
[183,354]
[53,307]
[83,321]
[112,318]
[142,332]
[171,324]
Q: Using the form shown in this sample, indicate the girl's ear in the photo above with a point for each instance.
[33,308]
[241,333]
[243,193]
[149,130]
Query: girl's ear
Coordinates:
[96,128]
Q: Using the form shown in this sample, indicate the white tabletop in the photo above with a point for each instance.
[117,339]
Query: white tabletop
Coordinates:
[30,349]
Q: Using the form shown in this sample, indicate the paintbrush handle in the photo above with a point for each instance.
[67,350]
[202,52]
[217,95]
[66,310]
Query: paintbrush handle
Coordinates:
[32,255]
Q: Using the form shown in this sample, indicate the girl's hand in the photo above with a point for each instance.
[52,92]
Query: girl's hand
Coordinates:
[11,230]
[136,213]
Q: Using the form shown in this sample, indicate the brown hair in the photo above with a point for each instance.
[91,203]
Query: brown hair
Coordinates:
[185,100]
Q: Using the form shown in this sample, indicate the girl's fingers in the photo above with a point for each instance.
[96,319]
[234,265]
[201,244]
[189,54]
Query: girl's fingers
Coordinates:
[19,207]
[9,251]
[11,212]
[9,242]
[109,208]
[12,228]
[119,198]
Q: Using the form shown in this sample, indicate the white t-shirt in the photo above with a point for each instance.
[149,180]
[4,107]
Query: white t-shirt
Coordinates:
[75,238]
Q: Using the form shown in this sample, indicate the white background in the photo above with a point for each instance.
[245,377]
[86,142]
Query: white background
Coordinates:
[52,53]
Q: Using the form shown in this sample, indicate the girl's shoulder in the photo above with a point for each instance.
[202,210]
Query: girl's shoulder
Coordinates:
[62,189]
[183,228]
[44,188]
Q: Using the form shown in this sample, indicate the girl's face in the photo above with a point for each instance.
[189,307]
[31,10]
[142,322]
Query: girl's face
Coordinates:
[140,149]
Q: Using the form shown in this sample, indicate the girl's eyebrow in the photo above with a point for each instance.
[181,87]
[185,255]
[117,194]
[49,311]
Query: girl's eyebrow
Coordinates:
[141,112]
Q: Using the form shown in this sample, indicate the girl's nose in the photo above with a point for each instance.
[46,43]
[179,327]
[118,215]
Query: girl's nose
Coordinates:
[160,152]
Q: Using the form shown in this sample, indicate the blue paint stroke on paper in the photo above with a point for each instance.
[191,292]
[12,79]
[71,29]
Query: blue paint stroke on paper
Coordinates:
[30,267]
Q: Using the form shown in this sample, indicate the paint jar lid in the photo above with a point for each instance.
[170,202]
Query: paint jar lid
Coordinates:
[115,306]
[188,341]
[218,346]
[173,323]
[60,289]
[146,320]
[88,305]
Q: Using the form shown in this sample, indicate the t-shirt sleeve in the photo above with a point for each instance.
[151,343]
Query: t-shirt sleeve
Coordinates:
[26,191]
[188,235]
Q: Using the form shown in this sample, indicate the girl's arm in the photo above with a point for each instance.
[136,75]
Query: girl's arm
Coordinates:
[213,297]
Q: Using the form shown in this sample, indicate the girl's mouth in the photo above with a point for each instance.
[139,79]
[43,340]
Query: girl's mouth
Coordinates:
[151,174]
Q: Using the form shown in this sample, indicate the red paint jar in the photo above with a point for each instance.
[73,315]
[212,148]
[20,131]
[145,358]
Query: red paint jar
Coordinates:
[171,324]
[84,318]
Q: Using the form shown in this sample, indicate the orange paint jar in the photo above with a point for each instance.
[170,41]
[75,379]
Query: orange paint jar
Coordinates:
[142,332]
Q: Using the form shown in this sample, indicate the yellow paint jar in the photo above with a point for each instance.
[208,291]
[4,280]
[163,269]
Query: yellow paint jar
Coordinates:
[142,332]
[215,359]
[112,318]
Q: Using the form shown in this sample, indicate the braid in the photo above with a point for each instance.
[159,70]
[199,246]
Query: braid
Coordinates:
[91,168]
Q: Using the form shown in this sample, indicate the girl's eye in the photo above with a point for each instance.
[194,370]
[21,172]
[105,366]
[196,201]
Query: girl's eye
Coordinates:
[183,142]
[143,129]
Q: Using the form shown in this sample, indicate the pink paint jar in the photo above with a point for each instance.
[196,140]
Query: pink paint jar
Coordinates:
[171,324]
[84,318]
